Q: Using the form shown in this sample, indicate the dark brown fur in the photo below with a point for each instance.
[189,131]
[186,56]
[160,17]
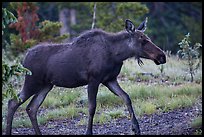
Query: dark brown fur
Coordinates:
[92,58]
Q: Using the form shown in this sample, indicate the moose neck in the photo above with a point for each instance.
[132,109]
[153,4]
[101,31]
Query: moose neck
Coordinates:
[121,46]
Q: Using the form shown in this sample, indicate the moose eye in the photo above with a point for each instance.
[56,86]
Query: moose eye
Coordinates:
[144,42]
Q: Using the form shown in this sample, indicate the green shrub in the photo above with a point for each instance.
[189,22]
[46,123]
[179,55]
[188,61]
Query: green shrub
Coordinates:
[15,69]
[29,34]
[191,54]
[48,32]
[7,18]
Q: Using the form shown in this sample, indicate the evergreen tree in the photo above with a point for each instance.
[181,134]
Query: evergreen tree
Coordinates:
[170,20]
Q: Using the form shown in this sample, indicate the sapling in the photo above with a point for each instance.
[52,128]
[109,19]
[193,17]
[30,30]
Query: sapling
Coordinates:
[191,54]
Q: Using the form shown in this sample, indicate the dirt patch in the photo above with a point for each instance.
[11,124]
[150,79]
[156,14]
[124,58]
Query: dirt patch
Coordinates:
[176,122]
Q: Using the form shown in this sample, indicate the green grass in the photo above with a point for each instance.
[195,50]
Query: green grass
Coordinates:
[64,97]
[174,69]
[147,97]
[60,113]
[22,122]
[197,122]
[148,108]
[177,102]
[103,115]
[107,99]
[116,113]
[101,118]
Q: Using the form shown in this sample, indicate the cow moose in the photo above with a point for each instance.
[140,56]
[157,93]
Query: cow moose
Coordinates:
[92,58]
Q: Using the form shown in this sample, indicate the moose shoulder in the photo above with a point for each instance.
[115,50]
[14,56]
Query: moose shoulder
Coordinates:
[92,58]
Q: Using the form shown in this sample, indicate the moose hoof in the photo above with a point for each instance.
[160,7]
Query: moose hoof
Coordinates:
[136,130]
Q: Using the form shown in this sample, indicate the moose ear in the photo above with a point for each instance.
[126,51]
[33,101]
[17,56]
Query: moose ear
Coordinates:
[130,27]
[142,27]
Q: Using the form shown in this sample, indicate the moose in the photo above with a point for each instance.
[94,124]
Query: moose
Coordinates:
[95,57]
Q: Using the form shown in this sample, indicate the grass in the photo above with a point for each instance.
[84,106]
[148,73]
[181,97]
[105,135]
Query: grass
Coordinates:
[60,113]
[197,122]
[64,97]
[101,118]
[147,97]
[107,99]
[115,114]
[148,108]
[174,68]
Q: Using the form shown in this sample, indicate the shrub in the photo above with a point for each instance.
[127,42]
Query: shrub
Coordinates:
[16,69]
[191,54]
[27,19]
[49,31]
[29,33]
[8,71]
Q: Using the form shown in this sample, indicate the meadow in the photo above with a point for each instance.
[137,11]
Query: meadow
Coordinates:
[152,89]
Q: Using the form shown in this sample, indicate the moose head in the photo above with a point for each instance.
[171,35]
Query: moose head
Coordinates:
[142,45]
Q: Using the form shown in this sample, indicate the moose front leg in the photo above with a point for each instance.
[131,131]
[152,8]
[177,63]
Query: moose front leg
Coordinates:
[92,93]
[114,87]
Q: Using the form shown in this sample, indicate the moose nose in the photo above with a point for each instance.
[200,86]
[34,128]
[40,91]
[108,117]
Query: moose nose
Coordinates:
[162,59]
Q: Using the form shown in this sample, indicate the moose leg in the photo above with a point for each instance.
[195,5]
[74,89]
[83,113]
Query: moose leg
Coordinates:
[92,93]
[13,104]
[33,106]
[116,89]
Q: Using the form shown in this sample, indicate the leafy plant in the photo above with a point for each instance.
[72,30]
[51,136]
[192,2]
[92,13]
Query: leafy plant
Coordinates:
[16,69]
[191,54]
[7,18]
[49,31]
[8,71]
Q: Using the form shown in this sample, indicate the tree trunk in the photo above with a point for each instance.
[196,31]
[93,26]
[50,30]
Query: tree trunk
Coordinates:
[94,17]
[72,16]
[64,19]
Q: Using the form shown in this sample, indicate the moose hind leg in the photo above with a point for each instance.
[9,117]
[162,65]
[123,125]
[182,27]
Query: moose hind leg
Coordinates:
[13,105]
[33,106]
[114,87]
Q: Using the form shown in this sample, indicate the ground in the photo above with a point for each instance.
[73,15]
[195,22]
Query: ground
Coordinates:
[176,122]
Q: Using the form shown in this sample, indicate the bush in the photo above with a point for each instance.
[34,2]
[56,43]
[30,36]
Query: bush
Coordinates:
[29,33]
[16,69]
[49,31]
[191,54]
[8,71]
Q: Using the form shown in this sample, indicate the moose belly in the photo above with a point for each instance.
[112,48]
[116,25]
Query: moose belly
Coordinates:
[69,77]
[70,80]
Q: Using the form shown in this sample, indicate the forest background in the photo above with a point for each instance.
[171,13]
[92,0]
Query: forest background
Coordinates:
[168,22]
